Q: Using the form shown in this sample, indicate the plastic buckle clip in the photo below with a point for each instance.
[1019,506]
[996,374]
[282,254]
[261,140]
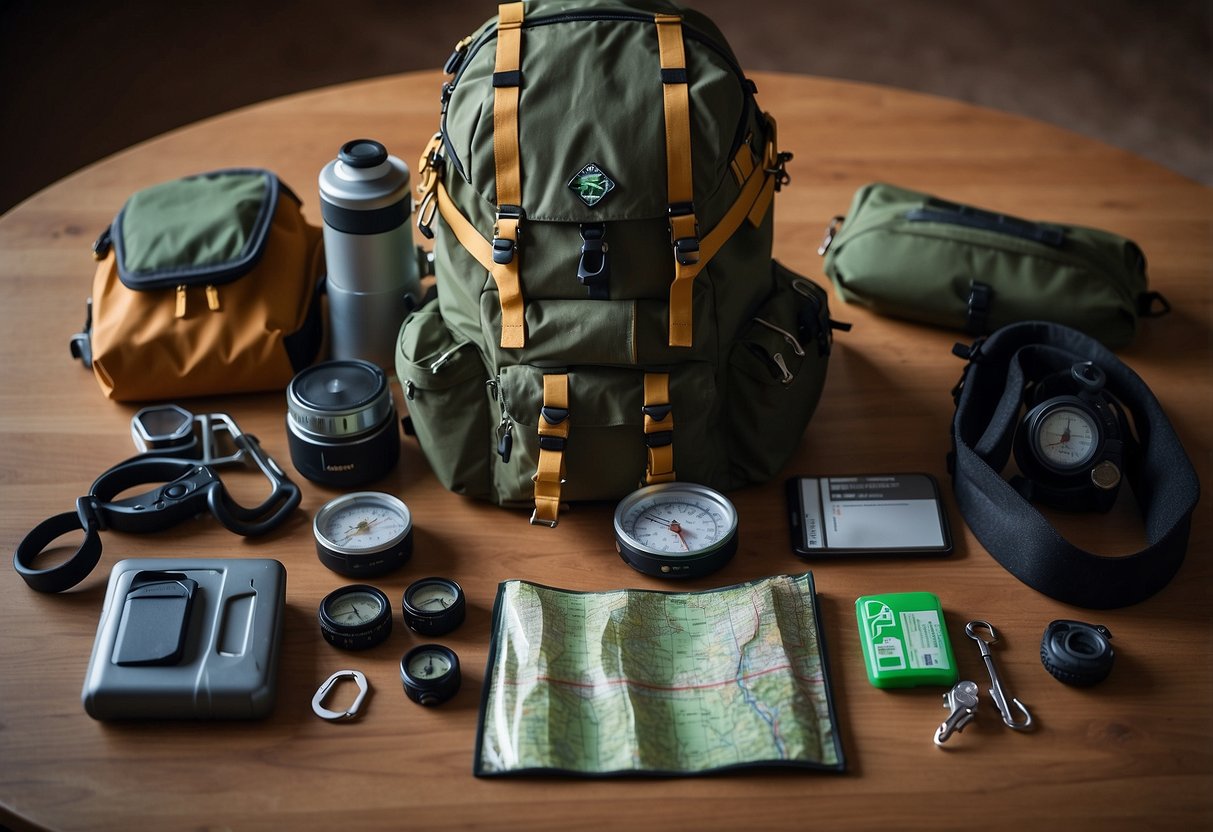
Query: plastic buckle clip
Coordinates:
[686,248]
[504,247]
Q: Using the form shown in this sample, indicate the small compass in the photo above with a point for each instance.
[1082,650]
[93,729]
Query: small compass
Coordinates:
[433,606]
[355,617]
[430,674]
[364,534]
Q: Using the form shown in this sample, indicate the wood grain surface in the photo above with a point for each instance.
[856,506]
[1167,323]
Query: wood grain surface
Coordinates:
[1135,752]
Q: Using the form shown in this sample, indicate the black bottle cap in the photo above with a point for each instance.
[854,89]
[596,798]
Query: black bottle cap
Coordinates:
[362,153]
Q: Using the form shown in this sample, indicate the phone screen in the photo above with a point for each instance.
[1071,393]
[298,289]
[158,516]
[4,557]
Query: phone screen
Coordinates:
[871,514]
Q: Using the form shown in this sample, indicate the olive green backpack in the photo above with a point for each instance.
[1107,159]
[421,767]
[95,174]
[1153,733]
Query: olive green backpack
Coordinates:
[608,313]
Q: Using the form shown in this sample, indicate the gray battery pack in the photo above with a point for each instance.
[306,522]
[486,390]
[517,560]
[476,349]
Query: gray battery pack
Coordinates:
[183,638]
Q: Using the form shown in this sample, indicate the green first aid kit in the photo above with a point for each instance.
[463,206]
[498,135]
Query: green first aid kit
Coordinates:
[905,640]
[911,255]
[608,312]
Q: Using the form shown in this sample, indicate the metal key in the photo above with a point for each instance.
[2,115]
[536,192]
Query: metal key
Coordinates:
[961,702]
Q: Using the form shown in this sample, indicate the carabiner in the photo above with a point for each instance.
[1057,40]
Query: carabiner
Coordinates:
[996,692]
[327,686]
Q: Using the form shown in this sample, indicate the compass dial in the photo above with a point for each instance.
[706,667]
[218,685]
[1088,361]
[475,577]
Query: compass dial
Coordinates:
[1066,438]
[355,608]
[365,533]
[355,617]
[430,674]
[676,529]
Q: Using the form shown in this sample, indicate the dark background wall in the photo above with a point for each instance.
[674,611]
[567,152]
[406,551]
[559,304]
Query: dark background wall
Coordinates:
[81,80]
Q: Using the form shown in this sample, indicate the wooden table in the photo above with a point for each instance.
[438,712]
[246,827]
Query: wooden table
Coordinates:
[1135,751]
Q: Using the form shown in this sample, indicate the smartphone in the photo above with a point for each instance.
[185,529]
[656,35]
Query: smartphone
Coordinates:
[868,514]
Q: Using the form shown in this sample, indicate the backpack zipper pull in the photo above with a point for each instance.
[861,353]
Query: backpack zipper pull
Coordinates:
[101,247]
[505,428]
[212,298]
[505,438]
[180,300]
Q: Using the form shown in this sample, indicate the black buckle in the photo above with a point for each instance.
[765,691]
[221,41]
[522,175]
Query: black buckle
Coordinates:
[686,249]
[977,319]
[970,353]
[553,415]
[594,267]
[657,412]
[503,249]
[658,439]
[551,443]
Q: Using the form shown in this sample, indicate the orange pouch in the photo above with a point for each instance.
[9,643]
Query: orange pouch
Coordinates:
[206,285]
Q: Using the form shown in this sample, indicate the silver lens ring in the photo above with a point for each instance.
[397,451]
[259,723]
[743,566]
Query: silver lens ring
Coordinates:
[339,399]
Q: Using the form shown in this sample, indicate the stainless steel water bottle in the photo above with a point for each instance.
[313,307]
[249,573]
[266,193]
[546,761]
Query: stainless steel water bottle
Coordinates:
[368,247]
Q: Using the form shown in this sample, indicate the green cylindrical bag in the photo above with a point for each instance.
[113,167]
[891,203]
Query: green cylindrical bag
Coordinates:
[911,255]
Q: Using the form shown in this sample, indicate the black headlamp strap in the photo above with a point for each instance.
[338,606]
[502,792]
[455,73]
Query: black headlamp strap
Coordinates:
[1013,531]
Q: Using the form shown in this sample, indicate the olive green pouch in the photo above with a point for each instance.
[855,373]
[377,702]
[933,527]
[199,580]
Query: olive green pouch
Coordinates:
[911,255]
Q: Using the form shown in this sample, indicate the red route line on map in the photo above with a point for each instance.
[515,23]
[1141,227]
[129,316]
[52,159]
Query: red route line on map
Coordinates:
[635,683]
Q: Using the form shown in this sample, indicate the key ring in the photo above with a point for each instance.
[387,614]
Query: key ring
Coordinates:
[189,488]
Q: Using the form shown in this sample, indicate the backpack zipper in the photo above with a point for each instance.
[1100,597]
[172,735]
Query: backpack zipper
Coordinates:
[212,298]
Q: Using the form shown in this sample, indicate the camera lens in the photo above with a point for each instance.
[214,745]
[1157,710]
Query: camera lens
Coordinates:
[341,423]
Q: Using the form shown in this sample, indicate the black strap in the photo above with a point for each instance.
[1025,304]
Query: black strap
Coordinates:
[70,572]
[1013,531]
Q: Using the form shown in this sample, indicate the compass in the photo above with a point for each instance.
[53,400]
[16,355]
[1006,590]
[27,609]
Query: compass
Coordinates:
[676,530]
[1069,446]
[433,606]
[430,674]
[355,617]
[1065,437]
[364,534]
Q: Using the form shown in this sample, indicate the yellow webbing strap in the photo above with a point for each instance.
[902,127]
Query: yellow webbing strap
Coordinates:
[684,227]
[509,289]
[553,432]
[507,84]
[755,195]
[658,429]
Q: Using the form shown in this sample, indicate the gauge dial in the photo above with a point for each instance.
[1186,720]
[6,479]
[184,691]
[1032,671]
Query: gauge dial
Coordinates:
[1066,438]
[433,606]
[355,608]
[355,617]
[430,674]
[365,533]
[676,530]
[429,664]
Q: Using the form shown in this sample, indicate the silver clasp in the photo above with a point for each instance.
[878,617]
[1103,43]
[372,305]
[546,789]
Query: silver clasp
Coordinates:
[974,631]
[328,685]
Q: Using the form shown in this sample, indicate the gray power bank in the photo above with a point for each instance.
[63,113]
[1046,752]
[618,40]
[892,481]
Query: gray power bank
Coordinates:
[183,638]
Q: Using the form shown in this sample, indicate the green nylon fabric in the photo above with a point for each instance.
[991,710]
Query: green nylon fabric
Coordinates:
[922,270]
[592,94]
[197,222]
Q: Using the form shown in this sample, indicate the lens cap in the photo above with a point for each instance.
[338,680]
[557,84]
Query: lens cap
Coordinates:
[362,153]
[339,385]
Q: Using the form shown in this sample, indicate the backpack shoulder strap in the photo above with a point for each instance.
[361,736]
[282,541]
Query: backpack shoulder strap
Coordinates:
[507,87]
